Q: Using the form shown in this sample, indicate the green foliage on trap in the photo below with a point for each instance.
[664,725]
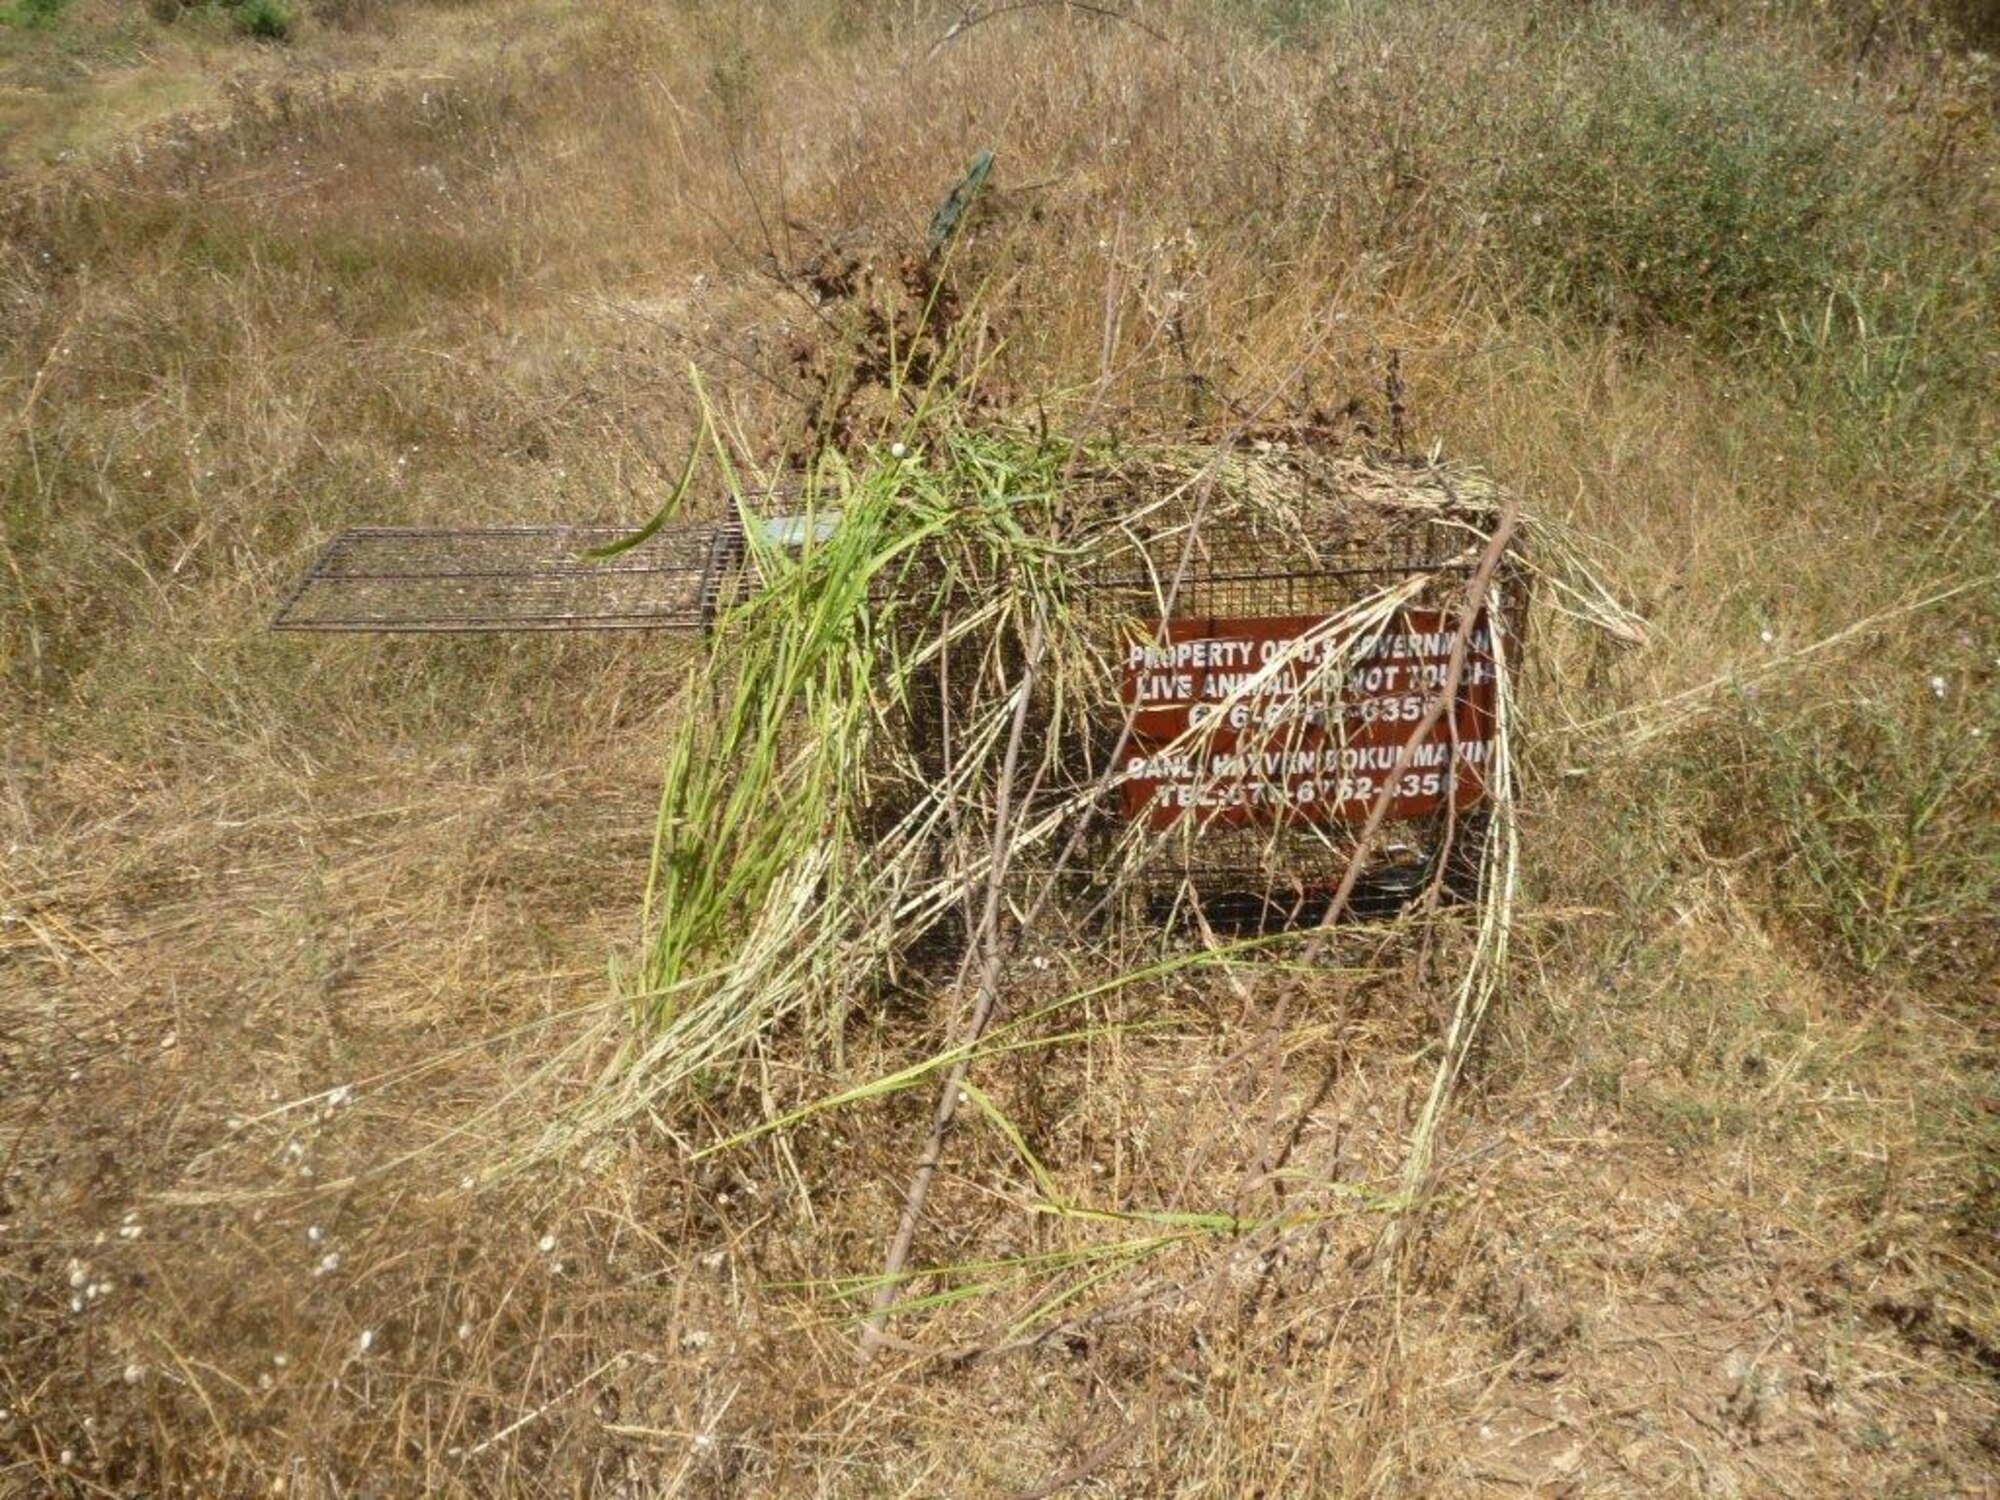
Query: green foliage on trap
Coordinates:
[759,835]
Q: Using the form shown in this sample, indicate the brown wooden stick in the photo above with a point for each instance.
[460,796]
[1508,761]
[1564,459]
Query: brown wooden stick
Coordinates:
[1471,602]
[992,952]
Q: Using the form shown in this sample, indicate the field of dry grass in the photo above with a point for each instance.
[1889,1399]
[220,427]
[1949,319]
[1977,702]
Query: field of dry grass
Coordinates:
[291,928]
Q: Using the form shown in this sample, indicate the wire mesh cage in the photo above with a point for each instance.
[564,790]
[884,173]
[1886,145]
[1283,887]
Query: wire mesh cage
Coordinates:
[445,579]
[1267,662]
[1252,640]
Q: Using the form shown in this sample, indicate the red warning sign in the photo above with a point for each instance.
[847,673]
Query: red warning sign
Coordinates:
[1261,721]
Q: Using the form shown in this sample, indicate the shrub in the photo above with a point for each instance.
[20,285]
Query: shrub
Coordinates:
[33,12]
[269,20]
[1669,186]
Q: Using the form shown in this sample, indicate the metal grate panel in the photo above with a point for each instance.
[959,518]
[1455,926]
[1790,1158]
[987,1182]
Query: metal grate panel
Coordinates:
[1239,571]
[1254,567]
[514,578]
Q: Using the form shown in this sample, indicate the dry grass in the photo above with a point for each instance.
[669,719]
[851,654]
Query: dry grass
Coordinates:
[289,930]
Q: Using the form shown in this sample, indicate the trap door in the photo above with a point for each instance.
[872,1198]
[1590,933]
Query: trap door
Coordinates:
[541,577]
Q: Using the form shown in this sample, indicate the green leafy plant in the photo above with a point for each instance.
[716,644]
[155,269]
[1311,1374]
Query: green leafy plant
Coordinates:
[759,853]
[33,13]
[268,20]
[1680,188]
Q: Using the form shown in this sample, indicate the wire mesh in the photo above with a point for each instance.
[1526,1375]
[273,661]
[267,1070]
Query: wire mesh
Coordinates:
[507,578]
[1311,544]
[1281,869]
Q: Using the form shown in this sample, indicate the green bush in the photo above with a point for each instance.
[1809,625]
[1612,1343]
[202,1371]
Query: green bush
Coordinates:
[268,20]
[33,12]
[1668,186]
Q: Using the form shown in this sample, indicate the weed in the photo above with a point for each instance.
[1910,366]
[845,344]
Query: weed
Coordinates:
[1291,21]
[35,13]
[1675,186]
[1885,820]
[267,20]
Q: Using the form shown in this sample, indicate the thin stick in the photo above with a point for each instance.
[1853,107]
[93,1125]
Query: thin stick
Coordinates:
[992,954]
[1475,596]
[1272,1034]
[547,1406]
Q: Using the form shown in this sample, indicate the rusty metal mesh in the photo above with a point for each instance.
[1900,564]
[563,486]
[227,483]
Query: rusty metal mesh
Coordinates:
[1339,538]
[514,578]
[1291,535]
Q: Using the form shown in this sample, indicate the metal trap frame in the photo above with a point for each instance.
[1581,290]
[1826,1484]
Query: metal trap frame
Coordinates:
[1179,573]
[1282,871]
[442,580]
